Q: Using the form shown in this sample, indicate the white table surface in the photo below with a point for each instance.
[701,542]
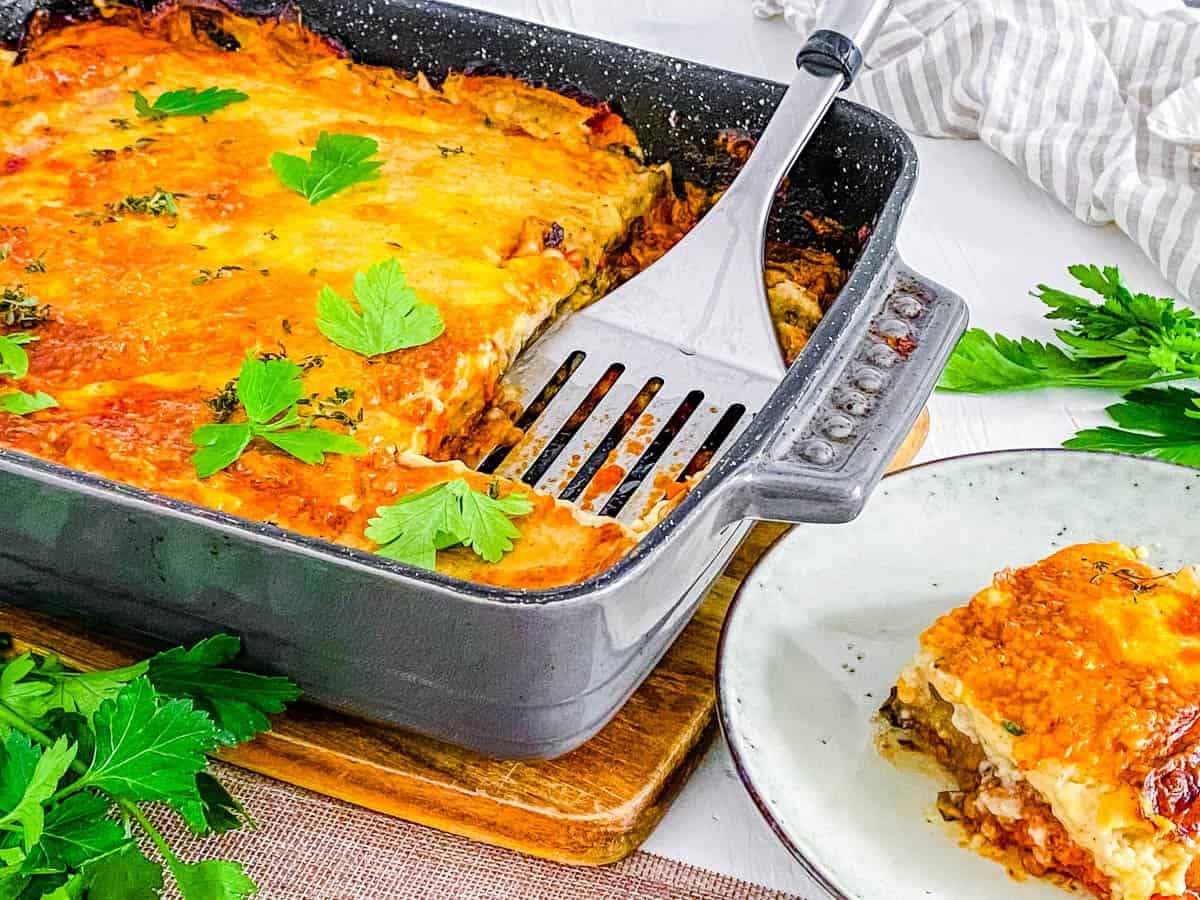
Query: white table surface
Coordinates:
[976,225]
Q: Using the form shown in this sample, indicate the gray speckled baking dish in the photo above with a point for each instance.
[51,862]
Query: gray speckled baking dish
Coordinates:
[517,673]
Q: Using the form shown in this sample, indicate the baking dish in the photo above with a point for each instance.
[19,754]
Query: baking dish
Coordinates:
[523,673]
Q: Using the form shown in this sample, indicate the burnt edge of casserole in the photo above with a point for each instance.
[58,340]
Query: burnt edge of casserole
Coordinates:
[662,98]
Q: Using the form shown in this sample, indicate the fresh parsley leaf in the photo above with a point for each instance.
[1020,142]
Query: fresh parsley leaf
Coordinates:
[220,446]
[1125,341]
[81,692]
[238,702]
[186,102]
[75,727]
[42,782]
[266,387]
[18,759]
[216,812]
[40,689]
[213,879]
[392,317]
[311,444]
[1124,318]
[1159,422]
[76,830]
[487,525]
[58,837]
[125,873]
[1013,728]
[336,162]
[14,361]
[1171,411]
[15,884]
[70,889]
[29,698]
[147,749]
[207,654]
[984,363]
[268,390]
[20,403]
[414,528]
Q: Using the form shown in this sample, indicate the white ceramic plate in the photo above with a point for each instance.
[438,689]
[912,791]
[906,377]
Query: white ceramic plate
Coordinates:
[824,622]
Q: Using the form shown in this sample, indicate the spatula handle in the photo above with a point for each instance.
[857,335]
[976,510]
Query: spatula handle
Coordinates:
[729,316]
[826,64]
[707,296]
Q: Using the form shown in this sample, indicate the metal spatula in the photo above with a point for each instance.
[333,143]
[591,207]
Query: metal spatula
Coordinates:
[643,388]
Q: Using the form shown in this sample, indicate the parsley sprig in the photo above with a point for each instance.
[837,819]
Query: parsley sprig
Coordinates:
[1124,341]
[75,748]
[415,527]
[1158,422]
[1127,341]
[268,390]
[390,316]
[186,102]
[336,162]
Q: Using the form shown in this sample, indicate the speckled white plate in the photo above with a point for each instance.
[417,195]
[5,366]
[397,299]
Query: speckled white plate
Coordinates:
[824,622]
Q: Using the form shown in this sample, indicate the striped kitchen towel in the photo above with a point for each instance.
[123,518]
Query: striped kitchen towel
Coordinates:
[1097,101]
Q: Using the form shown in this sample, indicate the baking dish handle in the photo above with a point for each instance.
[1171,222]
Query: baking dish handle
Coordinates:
[836,442]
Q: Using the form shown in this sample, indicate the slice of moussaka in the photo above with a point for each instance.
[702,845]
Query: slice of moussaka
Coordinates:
[1064,700]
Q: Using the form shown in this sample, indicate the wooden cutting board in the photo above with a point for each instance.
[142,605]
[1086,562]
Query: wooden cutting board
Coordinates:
[591,806]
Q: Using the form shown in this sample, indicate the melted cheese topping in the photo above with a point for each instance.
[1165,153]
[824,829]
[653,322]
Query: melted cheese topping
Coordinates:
[1093,659]
[151,314]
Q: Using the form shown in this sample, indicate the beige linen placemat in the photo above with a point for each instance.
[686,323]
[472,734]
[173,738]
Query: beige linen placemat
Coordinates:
[309,847]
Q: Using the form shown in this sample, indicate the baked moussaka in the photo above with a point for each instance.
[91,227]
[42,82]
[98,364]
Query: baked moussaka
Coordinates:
[1064,700]
[240,270]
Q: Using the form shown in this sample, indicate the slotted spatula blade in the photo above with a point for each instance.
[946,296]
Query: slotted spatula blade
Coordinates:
[629,415]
